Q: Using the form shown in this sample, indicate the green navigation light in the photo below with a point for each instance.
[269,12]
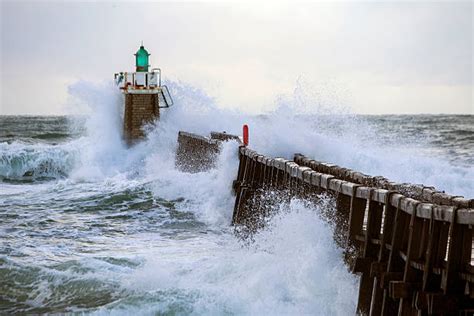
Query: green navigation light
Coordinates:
[141,58]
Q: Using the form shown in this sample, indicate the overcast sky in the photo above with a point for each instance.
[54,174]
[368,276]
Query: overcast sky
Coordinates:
[390,57]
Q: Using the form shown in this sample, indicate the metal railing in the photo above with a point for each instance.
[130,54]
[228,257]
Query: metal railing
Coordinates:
[139,80]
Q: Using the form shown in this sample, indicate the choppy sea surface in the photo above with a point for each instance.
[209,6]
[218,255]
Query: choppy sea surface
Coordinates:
[88,225]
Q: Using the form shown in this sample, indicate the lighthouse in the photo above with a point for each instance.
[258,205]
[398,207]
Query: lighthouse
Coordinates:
[144,96]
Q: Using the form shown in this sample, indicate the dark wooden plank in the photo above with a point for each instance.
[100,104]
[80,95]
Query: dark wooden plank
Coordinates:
[395,264]
[356,219]
[451,283]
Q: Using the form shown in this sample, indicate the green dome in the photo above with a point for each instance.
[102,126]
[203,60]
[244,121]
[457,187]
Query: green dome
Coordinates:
[141,59]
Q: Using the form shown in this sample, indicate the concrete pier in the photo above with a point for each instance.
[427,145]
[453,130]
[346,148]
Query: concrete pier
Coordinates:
[197,153]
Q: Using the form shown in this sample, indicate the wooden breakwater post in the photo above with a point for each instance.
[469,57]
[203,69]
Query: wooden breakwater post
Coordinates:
[413,244]
[144,97]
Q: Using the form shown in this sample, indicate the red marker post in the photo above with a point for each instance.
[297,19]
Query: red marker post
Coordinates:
[246,134]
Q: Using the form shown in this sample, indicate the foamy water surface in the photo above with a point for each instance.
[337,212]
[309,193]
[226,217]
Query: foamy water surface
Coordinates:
[89,225]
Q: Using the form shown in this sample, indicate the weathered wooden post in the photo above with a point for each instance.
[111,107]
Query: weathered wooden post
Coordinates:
[395,264]
[144,96]
[378,268]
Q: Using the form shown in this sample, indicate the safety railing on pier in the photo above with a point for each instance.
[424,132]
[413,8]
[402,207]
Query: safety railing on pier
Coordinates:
[411,245]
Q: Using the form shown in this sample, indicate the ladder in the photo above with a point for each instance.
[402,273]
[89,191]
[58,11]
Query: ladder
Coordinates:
[165,93]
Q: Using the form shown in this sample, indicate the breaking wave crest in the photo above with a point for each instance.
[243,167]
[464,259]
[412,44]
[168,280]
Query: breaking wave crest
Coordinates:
[33,162]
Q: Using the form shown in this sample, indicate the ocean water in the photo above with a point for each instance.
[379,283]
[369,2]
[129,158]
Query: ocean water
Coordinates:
[90,226]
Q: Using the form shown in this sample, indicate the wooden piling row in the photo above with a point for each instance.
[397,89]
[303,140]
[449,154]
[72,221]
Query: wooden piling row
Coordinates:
[413,255]
[415,191]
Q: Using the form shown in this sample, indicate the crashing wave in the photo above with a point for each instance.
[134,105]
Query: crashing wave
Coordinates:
[21,162]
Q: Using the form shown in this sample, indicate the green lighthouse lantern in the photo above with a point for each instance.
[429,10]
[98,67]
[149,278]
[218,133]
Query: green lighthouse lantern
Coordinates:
[141,59]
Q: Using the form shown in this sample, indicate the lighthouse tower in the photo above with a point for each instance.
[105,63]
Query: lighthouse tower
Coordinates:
[144,96]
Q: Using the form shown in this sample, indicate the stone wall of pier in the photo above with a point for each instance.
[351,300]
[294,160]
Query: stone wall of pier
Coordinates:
[140,110]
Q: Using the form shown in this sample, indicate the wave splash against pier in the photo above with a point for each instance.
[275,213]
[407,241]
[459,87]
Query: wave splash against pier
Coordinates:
[89,225]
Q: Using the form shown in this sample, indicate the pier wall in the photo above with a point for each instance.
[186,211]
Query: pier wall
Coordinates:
[410,244]
[197,153]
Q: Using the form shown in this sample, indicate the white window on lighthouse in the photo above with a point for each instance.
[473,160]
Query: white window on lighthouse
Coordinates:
[140,79]
[152,79]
